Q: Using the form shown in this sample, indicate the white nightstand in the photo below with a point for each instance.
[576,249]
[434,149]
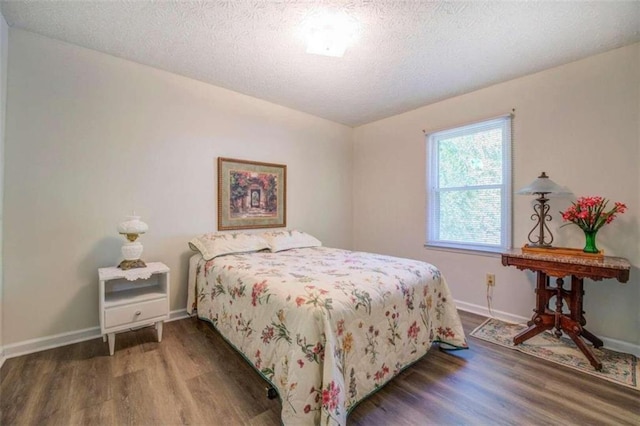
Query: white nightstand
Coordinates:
[133,298]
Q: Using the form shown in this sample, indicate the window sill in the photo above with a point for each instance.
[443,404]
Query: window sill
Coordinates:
[471,252]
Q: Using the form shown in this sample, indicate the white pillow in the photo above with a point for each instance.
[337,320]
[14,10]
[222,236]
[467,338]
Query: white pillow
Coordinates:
[217,244]
[285,240]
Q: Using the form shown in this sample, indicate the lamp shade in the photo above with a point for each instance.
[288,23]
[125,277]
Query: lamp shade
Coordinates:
[544,185]
[132,225]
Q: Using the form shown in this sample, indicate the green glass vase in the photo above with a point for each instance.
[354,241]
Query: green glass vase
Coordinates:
[590,242]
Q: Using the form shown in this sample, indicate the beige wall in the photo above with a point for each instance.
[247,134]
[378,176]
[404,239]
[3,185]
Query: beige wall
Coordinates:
[577,122]
[91,137]
[4,42]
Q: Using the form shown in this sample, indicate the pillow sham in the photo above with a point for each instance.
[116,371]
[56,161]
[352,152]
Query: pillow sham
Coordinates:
[218,244]
[286,240]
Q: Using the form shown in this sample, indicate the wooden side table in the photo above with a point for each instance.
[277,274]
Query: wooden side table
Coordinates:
[133,298]
[560,266]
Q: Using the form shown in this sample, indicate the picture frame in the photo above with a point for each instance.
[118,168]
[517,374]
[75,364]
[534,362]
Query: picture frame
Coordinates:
[251,194]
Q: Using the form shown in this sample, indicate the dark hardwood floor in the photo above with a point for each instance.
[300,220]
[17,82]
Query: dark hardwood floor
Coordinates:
[194,377]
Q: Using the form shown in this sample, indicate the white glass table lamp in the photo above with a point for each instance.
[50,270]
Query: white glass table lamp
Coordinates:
[132,249]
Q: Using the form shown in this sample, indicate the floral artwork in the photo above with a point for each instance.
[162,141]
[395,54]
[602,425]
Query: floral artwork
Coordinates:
[326,327]
[250,194]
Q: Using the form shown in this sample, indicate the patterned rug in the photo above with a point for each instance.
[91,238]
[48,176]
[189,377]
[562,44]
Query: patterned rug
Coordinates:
[616,366]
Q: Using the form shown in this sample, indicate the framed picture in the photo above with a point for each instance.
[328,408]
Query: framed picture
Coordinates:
[251,194]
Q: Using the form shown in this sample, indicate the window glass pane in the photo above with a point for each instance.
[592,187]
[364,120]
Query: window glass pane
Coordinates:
[472,159]
[470,216]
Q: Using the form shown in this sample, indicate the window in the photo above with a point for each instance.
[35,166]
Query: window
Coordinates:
[469,186]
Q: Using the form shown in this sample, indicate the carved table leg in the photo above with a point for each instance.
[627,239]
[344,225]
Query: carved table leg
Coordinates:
[575,304]
[539,325]
[597,343]
[572,323]
[540,321]
[585,350]
[577,314]
[559,305]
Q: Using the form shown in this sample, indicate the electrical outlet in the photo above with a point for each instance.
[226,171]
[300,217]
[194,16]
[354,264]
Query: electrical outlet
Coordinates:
[491,280]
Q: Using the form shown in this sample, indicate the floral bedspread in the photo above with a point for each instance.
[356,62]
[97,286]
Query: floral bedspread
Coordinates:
[326,327]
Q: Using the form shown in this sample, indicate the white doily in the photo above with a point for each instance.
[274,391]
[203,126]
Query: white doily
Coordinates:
[114,273]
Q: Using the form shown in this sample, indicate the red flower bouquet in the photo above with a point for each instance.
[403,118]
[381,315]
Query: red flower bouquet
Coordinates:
[590,214]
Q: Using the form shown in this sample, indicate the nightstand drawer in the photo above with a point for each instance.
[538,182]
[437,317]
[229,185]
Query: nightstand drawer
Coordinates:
[114,317]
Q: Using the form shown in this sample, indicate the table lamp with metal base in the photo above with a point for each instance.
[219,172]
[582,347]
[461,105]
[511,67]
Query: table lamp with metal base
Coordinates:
[542,187]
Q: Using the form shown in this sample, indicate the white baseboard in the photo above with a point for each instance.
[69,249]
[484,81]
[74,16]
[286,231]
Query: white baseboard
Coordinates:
[484,311]
[178,314]
[621,346]
[613,344]
[43,343]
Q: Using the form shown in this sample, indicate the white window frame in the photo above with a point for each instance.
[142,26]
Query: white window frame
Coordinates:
[433,188]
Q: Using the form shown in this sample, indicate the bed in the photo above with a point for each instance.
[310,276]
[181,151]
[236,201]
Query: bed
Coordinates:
[326,327]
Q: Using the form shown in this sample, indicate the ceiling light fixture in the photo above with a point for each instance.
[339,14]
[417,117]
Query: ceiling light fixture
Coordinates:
[329,34]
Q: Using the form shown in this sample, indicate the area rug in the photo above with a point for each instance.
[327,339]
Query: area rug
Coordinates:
[616,366]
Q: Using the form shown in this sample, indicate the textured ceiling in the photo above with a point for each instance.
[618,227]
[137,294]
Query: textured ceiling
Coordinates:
[406,53]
